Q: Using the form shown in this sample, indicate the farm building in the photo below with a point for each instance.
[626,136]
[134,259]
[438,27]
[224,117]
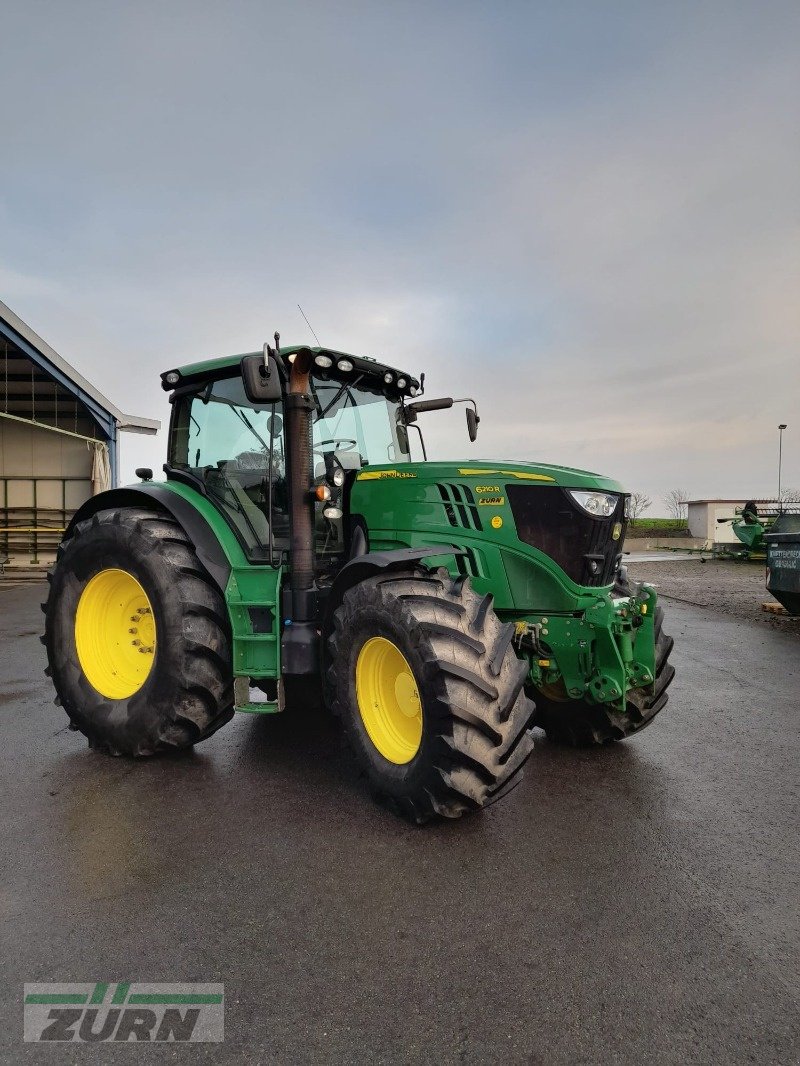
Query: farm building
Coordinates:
[58,443]
[709,520]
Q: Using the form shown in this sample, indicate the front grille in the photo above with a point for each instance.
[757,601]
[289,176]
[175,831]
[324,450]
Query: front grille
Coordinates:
[549,519]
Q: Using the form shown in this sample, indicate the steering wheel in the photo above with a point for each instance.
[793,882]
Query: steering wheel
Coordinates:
[335,441]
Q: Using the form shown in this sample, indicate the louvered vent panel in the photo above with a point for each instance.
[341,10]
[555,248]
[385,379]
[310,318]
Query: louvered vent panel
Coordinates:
[460,506]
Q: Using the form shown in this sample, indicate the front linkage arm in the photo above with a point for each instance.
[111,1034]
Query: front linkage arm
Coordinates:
[600,655]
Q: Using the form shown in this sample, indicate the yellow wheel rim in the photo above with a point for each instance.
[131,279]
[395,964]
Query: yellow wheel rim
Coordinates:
[115,634]
[388,700]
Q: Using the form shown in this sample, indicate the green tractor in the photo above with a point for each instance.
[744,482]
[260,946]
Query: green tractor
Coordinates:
[445,608]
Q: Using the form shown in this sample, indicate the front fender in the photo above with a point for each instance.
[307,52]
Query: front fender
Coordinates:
[372,563]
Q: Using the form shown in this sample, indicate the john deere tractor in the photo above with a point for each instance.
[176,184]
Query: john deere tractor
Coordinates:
[446,608]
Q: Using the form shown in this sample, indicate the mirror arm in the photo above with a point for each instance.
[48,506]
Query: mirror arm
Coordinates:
[421,440]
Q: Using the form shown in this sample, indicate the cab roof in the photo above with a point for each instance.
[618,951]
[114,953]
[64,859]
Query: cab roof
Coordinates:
[229,364]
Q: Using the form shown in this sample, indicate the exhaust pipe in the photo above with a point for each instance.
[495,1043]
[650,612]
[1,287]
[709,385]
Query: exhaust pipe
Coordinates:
[299,645]
[299,405]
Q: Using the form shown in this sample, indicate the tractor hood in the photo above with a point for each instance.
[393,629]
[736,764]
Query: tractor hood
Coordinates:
[528,520]
[484,471]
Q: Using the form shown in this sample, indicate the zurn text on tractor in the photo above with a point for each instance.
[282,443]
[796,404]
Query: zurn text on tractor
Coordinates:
[446,608]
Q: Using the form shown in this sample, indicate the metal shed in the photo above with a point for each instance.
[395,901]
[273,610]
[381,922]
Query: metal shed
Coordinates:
[58,443]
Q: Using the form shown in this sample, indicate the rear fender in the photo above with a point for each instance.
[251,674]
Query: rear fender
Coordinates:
[156,498]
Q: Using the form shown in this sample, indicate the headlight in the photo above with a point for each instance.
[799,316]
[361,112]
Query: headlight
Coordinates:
[597,504]
[338,477]
[628,505]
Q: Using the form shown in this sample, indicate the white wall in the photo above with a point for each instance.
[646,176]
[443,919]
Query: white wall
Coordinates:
[702,521]
[27,451]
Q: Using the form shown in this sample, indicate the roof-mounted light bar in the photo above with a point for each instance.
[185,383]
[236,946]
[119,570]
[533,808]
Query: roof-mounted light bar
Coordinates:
[395,381]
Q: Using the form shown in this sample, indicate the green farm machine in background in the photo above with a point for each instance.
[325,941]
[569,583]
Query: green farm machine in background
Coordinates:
[749,524]
[445,607]
[752,525]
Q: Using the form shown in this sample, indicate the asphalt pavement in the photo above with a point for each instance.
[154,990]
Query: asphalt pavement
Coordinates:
[637,904]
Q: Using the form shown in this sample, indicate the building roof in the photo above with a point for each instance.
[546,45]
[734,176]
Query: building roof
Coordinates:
[131,423]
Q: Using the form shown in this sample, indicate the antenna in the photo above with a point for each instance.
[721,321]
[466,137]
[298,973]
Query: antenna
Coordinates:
[316,338]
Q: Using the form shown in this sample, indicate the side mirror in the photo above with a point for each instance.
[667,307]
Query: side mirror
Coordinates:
[402,438]
[262,384]
[472,424]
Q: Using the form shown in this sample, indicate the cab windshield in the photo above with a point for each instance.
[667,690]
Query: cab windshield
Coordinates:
[360,420]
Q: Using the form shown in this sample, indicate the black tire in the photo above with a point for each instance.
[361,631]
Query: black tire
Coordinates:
[581,724]
[188,693]
[475,714]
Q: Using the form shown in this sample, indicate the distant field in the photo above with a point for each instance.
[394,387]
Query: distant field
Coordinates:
[659,523]
[658,527]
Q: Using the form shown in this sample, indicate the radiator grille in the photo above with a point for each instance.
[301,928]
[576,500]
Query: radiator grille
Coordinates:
[584,547]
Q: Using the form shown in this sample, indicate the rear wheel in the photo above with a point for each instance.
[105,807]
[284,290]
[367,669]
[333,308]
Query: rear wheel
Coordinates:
[430,693]
[583,724]
[137,636]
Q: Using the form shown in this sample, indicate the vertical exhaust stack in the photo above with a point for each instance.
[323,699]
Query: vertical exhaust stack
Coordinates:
[299,645]
[299,405]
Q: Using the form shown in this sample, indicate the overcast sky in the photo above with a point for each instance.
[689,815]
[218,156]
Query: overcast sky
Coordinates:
[586,216]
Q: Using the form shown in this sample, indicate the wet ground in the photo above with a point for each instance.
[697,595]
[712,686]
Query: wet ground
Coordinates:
[733,588]
[630,905]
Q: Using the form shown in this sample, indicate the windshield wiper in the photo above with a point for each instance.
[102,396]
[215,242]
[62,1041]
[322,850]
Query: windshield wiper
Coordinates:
[345,387]
[252,428]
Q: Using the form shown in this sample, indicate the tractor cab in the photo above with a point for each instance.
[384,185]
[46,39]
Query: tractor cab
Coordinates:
[234,449]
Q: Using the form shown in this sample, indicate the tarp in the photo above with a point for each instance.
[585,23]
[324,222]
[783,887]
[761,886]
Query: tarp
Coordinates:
[101,468]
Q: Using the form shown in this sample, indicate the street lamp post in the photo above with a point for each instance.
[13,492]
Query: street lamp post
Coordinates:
[781,428]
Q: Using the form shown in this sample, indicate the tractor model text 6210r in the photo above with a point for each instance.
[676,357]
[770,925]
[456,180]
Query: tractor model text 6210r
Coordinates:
[446,608]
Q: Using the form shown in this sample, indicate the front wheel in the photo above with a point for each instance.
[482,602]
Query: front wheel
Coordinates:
[430,693]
